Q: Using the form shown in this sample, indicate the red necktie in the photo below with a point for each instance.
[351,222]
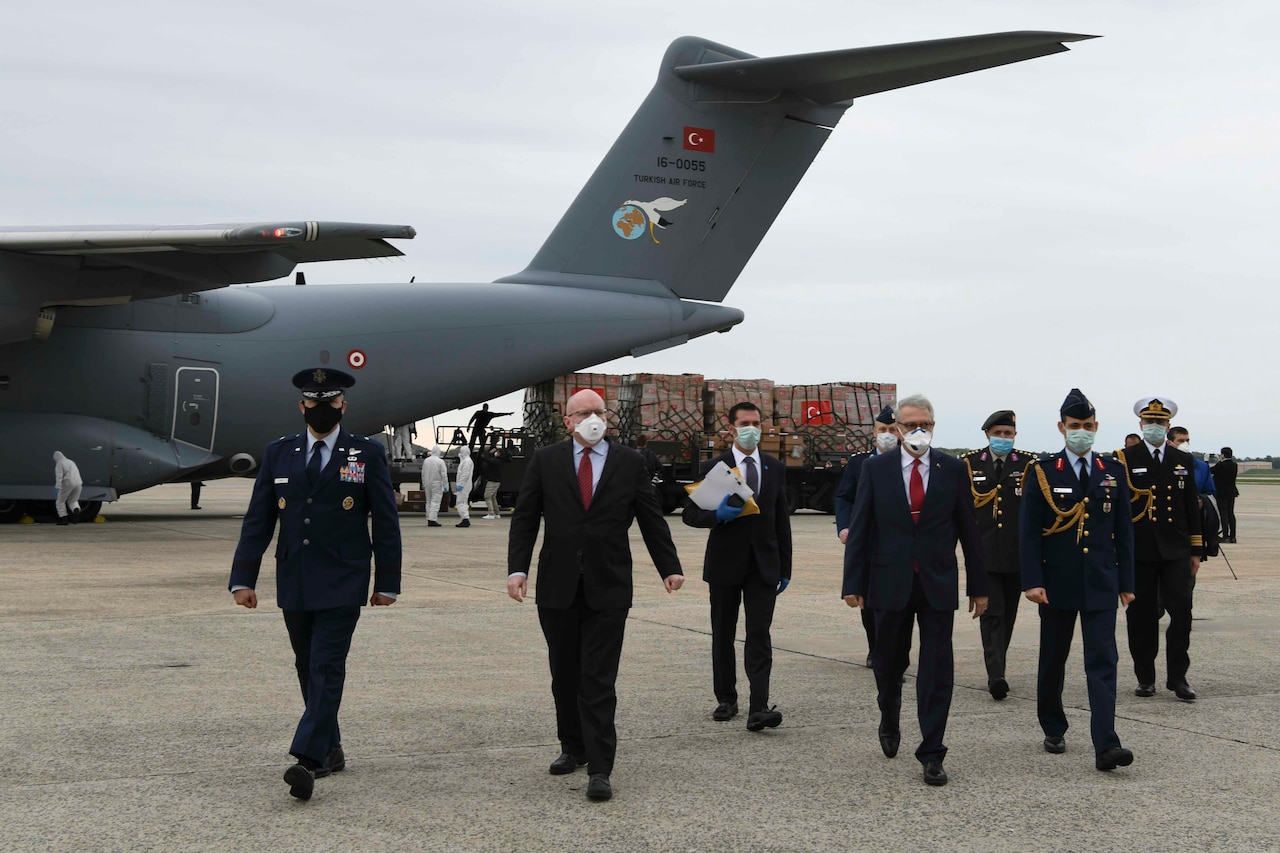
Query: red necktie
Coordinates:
[917,499]
[584,478]
[917,491]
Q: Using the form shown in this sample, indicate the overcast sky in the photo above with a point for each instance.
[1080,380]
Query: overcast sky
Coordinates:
[1104,218]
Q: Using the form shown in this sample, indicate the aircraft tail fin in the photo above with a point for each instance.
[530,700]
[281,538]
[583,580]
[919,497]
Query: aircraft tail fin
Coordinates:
[705,165]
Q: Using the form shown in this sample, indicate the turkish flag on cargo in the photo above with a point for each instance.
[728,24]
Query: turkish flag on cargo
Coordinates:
[818,412]
[700,139]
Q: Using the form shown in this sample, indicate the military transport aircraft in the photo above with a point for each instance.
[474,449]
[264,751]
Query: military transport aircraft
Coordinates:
[124,347]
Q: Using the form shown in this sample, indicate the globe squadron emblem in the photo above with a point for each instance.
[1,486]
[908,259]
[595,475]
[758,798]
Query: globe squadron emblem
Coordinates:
[629,219]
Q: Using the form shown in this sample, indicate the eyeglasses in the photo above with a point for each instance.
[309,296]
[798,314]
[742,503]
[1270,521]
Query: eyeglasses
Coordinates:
[602,413]
[912,427]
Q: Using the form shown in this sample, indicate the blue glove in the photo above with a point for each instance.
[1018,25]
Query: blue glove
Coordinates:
[725,512]
[458,489]
[783,583]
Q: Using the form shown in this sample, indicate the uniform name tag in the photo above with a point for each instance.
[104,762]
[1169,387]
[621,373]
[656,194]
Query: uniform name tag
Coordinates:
[1139,470]
[281,480]
[352,472]
[978,478]
[1063,491]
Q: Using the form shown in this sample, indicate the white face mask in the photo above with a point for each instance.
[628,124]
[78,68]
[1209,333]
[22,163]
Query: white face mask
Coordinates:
[918,440]
[591,428]
[886,441]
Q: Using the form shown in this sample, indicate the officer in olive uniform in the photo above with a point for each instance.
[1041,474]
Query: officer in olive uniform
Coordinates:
[886,439]
[995,477]
[1167,539]
[324,486]
[1077,558]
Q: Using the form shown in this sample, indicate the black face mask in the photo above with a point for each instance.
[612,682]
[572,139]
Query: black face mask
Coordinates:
[322,417]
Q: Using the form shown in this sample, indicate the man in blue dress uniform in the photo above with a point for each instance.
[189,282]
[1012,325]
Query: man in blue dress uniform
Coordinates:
[1076,539]
[324,486]
[886,439]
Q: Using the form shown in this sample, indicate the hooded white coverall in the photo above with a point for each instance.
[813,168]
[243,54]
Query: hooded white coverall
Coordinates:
[66,484]
[462,481]
[435,476]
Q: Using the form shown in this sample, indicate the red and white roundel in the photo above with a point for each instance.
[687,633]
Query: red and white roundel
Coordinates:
[356,359]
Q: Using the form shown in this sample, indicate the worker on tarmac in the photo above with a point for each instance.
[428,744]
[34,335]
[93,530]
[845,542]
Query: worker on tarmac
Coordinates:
[462,485]
[435,477]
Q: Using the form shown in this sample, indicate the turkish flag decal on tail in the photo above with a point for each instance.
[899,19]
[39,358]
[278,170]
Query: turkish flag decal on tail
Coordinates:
[818,412]
[700,139]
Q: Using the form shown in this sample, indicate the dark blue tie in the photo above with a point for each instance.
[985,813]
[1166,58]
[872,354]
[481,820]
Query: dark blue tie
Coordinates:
[313,466]
[753,479]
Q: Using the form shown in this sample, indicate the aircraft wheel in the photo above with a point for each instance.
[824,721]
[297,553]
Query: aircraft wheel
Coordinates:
[10,511]
[89,510]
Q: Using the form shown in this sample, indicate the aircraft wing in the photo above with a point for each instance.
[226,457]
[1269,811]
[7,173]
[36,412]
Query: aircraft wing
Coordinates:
[42,268]
[841,75]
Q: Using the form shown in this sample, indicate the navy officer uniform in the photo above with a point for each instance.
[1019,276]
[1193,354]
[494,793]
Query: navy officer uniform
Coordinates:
[996,482]
[845,494]
[323,489]
[1077,559]
[1167,542]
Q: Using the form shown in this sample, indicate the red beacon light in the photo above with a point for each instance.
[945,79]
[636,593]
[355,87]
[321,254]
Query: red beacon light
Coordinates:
[282,233]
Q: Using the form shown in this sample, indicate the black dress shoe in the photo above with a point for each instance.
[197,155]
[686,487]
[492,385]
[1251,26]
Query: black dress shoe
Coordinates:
[768,718]
[566,763]
[466,522]
[725,711]
[62,521]
[1055,744]
[335,763]
[302,781]
[934,774]
[999,689]
[1182,690]
[431,523]
[598,787]
[1116,756]
[1144,690]
[868,660]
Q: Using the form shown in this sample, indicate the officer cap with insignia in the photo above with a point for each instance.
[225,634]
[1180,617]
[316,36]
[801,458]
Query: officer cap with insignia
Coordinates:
[1155,408]
[886,416]
[1077,406]
[321,383]
[1004,417]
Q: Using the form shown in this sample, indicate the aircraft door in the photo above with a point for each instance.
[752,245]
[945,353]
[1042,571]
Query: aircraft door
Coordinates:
[195,407]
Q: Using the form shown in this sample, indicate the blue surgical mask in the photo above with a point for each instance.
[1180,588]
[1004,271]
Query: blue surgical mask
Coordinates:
[1080,441]
[748,437]
[1001,446]
[1154,433]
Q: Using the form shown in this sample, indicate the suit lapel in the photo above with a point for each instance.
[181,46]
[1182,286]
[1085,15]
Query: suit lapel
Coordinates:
[933,492]
[898,488]
[611,463]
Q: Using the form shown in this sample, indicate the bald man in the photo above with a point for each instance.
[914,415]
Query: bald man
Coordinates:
[588,490]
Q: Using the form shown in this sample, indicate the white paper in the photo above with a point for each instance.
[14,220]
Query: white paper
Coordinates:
[720,481]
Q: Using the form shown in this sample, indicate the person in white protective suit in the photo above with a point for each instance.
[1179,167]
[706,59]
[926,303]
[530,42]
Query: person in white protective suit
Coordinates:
[462,485]
[402,443]
[435,477]
[66,486]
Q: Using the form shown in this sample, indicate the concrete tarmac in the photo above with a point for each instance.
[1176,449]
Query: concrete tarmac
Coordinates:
[141,710]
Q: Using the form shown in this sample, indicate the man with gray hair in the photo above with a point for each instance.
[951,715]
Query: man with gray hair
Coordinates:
[911,509]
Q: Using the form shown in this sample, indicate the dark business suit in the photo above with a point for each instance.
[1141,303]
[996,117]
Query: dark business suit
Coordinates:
[905,569]
[322,562]
[997,498]
[845,494]
[1083,565]
[584,583]
[1224,482]
[744,561]
[1166,533]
